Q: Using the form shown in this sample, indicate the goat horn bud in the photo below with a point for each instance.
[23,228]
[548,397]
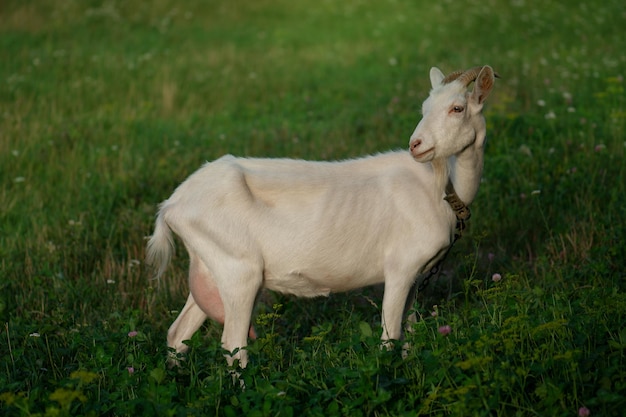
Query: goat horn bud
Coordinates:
[452,76]
[465,77]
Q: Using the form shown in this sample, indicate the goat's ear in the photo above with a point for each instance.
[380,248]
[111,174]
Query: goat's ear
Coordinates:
[436,76]
[483,84]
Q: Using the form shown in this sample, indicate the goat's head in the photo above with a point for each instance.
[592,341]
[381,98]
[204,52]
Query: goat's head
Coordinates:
[452,116]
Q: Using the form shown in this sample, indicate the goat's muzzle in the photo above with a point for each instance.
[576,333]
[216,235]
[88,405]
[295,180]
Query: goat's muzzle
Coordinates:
[418,153]
[414,144]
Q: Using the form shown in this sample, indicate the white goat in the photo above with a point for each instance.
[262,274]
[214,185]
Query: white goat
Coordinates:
[312,228]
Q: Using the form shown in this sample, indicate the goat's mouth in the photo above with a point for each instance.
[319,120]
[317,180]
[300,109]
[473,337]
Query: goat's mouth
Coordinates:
[425,155]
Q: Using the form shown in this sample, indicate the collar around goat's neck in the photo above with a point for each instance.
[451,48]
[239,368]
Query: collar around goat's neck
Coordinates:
[461,211]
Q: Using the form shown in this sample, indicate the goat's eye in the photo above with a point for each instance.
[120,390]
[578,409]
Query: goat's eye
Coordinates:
[458,109]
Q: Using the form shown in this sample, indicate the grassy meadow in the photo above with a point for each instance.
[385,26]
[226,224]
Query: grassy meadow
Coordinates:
[105,107]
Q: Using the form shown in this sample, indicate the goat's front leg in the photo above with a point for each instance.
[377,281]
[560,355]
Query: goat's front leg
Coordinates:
[394,301]
[411,318]
[408,309]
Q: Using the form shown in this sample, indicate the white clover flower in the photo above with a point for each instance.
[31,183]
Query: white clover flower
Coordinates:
[526,150]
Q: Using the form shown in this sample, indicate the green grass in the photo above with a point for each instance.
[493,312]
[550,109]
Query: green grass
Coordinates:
[106,106]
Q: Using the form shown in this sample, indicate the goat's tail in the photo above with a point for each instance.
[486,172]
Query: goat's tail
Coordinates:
[160,246]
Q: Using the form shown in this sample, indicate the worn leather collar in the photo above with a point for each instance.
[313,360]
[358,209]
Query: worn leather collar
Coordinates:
[461,211]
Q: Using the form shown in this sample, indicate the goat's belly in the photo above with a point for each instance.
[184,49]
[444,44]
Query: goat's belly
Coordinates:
[303,284]
[295,283]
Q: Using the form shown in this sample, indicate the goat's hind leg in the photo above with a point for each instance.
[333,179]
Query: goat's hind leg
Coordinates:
[206,292]
[188,321]
[239,299]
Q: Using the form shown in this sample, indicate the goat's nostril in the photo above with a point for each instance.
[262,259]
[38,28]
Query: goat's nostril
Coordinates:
[416,143]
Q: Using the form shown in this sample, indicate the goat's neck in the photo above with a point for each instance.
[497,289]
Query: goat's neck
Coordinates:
[466,170]
[441,172]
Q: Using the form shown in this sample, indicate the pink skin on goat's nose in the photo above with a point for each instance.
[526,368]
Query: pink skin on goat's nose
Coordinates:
[419,153]
[414,144]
